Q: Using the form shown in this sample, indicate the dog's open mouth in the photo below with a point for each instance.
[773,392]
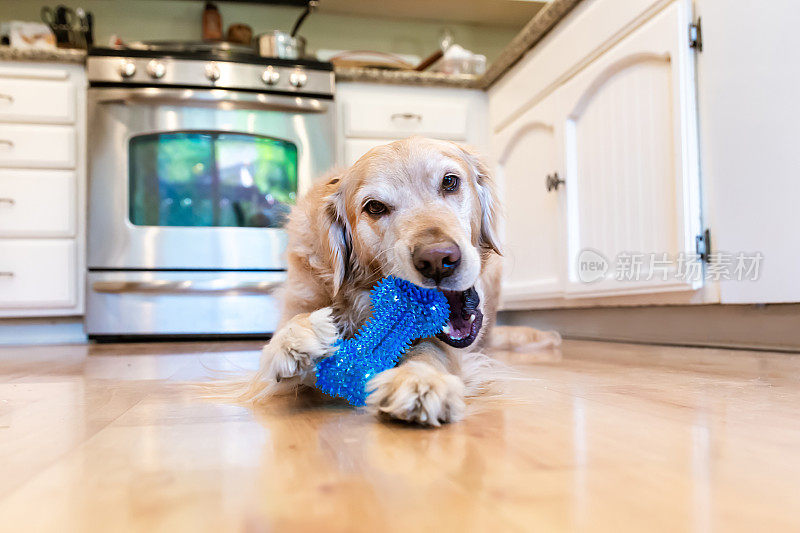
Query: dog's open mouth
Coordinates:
[465,320]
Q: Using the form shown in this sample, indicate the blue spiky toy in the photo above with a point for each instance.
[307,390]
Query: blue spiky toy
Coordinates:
[401,313]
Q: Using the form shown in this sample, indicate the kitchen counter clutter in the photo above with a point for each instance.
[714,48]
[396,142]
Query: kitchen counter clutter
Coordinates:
[544,20]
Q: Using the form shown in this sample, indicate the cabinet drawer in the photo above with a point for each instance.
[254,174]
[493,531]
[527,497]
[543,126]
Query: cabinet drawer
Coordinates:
[36,100]
[38,273]
[37,203]
[33,146]
[409,116]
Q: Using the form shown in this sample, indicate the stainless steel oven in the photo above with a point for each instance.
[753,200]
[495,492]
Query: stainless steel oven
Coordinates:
[195,162]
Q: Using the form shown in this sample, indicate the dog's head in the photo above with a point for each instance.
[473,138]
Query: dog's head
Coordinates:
[422,210]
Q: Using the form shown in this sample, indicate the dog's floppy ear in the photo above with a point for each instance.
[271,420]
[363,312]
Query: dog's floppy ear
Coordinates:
[487,195]
[337,240]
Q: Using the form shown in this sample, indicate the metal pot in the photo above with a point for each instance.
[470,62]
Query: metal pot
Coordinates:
[282,45]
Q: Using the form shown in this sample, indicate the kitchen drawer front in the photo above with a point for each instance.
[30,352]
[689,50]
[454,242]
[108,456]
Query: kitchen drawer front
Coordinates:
[405,117]
[37,203]
[36,100]
[38,274]
[34,146]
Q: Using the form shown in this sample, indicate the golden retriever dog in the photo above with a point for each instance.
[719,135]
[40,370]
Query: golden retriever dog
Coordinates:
[420,209]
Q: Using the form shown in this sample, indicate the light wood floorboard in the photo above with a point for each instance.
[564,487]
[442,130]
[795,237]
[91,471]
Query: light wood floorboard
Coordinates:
[598,437]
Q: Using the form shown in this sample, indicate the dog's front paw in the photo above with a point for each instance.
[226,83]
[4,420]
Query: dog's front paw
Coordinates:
[299,343]
[417,392]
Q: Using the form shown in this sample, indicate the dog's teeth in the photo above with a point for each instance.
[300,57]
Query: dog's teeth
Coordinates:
[446,329]
[471,318]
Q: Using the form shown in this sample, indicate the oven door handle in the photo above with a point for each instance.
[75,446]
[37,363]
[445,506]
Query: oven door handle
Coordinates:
[218,98]
[217,286]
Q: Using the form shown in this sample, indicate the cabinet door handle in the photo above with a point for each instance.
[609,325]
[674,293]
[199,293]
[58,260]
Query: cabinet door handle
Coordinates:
[7,201]
[552,182]
[6,274]
[6,142]
[7,97]
[407,116]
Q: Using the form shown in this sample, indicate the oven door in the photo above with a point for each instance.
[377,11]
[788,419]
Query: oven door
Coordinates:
[199,179]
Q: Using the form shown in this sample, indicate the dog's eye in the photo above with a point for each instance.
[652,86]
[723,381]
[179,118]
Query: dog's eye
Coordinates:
[375,208]
[450,183]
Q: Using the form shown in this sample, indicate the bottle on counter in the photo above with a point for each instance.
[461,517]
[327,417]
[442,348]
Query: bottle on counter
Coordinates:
[212,23]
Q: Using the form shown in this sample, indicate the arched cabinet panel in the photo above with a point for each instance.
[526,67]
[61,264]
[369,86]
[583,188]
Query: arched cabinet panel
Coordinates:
[616,142]
[630,157]
[526,153]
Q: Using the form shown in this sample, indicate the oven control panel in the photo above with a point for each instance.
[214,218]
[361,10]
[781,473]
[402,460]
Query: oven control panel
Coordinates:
[167,71]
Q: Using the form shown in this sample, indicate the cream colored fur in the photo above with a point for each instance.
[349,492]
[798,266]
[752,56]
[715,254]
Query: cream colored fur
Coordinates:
[337,252]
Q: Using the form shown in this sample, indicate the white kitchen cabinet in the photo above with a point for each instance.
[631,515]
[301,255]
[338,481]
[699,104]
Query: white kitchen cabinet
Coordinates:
[37,146]
[42,189]
[416,114]
[630,154]
[372,114]
[526,152]
[44,95]
[748,78]
[619,127]
[38,203]
[38,274]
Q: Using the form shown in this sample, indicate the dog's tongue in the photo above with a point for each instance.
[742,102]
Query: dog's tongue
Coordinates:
[463,310]
[457,326]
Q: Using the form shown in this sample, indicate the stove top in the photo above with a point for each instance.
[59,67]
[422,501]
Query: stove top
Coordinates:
[190,46]
[207,65]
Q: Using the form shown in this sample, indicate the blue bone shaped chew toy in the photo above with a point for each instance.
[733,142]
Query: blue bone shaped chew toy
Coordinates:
[401,313]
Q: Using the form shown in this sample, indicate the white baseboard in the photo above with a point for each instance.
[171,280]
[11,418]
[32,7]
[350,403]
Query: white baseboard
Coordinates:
[67,330]
[760,327]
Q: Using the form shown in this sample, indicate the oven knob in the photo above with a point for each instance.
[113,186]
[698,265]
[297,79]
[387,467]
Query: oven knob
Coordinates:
[298,78]
[156,69]
[270,76]
[212,71]
[127,68]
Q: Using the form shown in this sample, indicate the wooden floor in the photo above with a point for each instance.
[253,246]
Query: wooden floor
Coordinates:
[608,437]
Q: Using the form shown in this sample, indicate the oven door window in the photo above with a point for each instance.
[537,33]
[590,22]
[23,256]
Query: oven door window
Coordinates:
[206,178]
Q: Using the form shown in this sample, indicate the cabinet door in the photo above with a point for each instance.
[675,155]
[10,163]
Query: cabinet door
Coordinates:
[525,153]
[631,170]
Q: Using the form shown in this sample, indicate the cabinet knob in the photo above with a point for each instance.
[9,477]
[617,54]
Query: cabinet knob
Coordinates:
[270,76]
[552,182]
[298,78]
[212,72]
[126,68]
[156,69]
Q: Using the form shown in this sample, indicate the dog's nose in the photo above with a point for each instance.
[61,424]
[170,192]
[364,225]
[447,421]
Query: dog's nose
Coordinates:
[437,260]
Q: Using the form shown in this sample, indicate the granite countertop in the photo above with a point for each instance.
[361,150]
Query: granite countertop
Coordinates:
[55,55]
[406,77]
[532,33]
